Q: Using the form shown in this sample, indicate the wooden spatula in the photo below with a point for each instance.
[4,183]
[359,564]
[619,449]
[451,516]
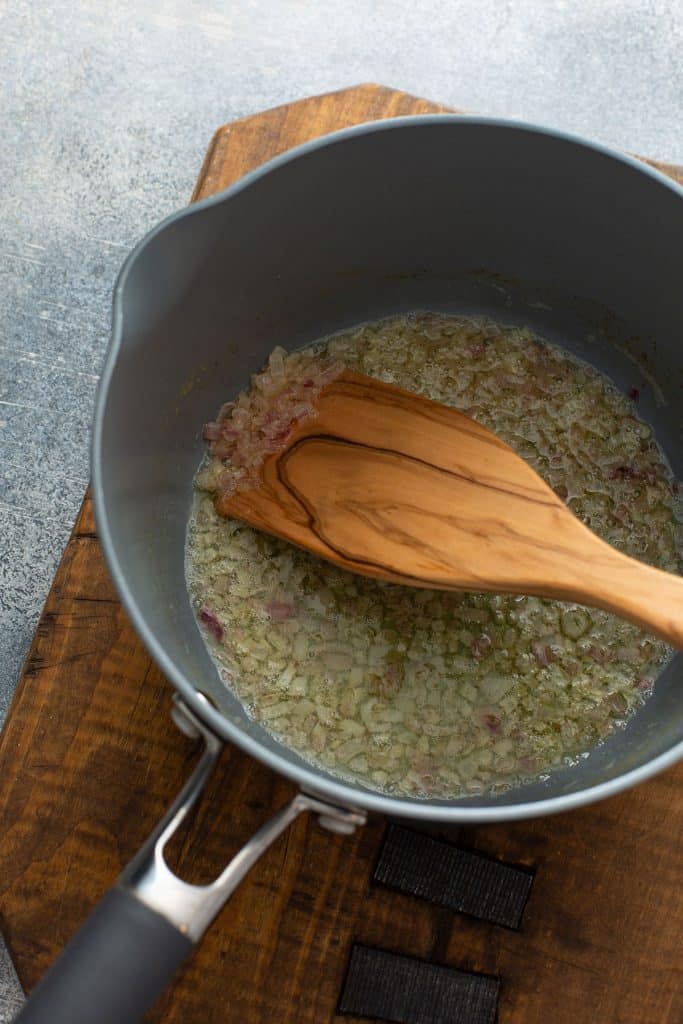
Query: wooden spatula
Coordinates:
[388,484]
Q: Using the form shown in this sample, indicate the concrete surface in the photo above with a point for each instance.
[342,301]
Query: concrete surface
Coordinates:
[106,113]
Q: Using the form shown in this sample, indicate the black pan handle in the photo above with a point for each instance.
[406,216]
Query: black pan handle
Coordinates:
[128,950]
[113,969]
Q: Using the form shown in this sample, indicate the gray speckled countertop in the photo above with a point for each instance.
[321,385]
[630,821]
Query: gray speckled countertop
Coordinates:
[105,122]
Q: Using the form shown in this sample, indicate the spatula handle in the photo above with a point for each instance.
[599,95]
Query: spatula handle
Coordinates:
[649,597]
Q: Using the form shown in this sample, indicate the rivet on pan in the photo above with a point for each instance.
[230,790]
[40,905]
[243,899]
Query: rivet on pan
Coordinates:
[183,720]
[342,828]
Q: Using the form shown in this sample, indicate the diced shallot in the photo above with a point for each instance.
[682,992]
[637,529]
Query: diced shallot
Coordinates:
[599,654]
[481,645]
[491,722]
[259,423]
[419,693]
[211,432]
[210,620]
[542,653]
[280,611]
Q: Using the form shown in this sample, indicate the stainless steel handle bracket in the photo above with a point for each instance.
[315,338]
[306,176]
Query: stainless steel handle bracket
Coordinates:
[192,908]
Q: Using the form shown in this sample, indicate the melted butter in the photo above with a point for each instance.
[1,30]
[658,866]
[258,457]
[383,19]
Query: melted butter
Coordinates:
[435,694]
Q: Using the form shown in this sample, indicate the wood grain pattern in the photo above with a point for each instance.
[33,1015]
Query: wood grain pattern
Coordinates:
[386,483]
[89,760]
[239,147]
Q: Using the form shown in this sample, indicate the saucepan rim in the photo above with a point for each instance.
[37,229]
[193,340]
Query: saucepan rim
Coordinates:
[309,778]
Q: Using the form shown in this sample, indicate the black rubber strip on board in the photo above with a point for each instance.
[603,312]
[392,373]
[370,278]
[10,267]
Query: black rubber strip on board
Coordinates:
[441,873]
[403,990]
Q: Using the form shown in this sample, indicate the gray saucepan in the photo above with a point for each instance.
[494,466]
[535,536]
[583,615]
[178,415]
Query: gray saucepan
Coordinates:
[442,213]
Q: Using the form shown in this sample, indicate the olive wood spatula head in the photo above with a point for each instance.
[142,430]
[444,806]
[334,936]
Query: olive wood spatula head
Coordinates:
[388,484]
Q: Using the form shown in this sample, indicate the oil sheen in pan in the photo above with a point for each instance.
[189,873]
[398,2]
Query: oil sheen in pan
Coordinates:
[431,694]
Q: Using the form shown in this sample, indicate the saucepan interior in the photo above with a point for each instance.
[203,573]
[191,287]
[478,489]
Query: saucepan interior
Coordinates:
[446,214]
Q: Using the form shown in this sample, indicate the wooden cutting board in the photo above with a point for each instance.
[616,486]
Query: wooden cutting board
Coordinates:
[89,760]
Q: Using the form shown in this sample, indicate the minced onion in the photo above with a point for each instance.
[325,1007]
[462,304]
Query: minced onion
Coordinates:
[261,420]
[428,693]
